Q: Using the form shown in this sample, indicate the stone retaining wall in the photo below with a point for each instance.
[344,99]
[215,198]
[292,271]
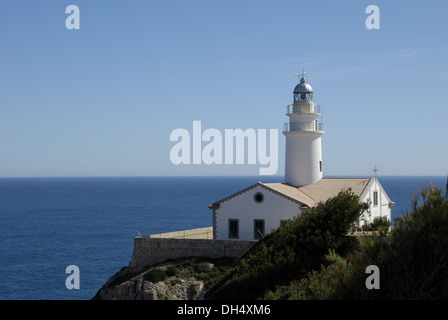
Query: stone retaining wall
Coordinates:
[201,233]
[150,250]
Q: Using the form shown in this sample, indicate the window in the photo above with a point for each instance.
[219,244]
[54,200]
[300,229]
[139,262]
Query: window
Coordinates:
[258,229]
[258,197]
[375,198]
[320,166]
[233,229]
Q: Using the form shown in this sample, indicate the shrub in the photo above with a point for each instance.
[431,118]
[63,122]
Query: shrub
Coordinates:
[414,264]
[172,271]
[155,275]
[413,260]
[381,224]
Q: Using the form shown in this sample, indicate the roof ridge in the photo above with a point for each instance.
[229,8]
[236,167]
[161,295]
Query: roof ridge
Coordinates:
[298,188]
[291,186]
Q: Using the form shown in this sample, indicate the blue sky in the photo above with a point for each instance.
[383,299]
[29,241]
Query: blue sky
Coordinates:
[103,100]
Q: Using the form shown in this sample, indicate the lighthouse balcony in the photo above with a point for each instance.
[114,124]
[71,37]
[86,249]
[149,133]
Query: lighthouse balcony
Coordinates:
[303,126]
[304,109]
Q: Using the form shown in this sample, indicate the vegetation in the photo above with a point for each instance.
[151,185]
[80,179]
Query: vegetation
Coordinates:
[185,268]
[310,257]
[413,259]
[380,224]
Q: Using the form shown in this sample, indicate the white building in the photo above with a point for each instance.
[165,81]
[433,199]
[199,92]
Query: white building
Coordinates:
[252,212]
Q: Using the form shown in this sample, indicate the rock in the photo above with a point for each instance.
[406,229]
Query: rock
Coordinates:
[205,267]
[182,279]
[171,290]
[137,288]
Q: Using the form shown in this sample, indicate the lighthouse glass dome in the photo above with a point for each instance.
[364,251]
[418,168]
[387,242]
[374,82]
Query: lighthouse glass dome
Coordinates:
[303,92]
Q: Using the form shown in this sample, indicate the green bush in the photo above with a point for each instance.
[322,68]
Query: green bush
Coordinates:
[380,224]
[172,271]
[155,275]
[413,260]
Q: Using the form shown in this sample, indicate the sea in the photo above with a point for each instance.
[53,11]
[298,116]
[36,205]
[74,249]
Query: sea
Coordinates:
[49,224]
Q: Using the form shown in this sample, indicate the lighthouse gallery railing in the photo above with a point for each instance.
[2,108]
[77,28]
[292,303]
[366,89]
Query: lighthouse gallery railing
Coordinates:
[303,126]
[311,109]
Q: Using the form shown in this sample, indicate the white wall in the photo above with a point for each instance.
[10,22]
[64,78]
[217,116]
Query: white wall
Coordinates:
[381,209]
[302,156]
[303,152]
[275,208]
[244,208]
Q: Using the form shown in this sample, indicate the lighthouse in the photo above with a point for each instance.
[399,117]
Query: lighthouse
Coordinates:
[250,213]
[303,154]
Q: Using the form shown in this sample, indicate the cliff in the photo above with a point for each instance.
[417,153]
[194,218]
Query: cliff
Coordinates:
[183,279]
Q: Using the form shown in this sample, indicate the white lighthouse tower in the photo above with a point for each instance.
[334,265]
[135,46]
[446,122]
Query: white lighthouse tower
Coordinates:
[303,159]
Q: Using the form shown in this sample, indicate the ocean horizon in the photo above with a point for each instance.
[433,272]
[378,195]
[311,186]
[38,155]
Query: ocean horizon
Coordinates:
[48,224]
